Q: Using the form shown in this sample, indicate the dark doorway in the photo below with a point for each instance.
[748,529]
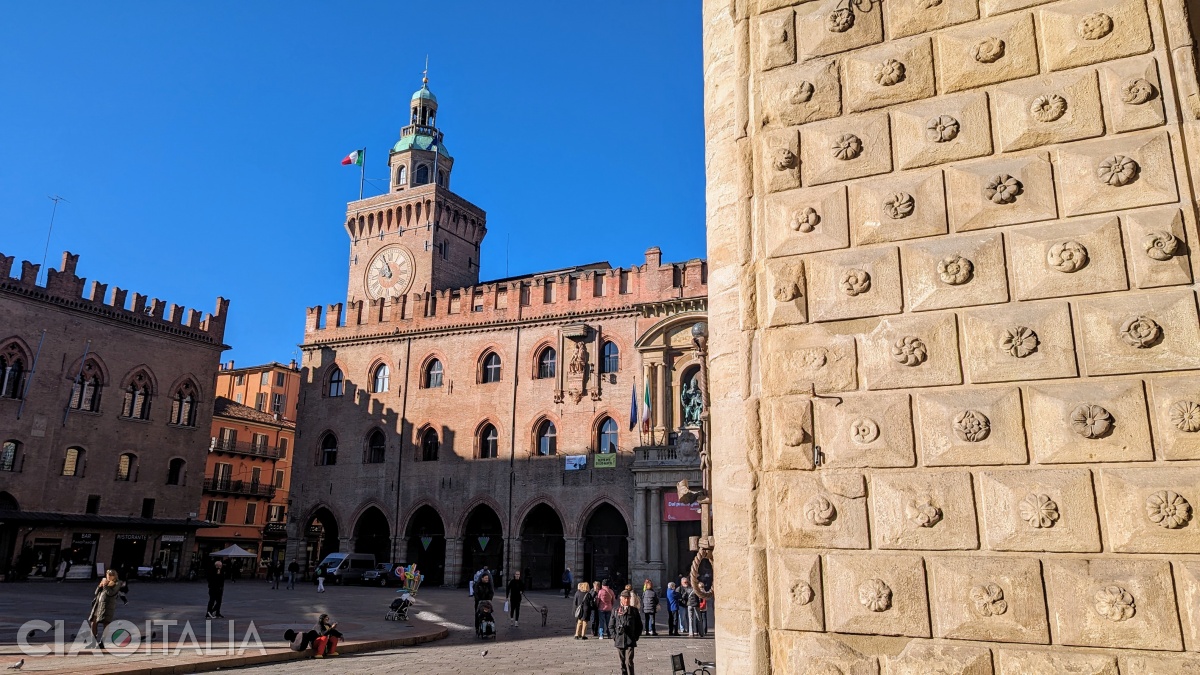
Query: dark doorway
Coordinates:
[372,535]
[321,537]
[483,544]
[8,531]
[543,549]
[606,546]
[129,552]
[679,553]
[427,545]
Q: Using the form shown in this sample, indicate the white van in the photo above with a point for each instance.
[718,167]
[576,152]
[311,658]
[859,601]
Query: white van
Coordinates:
[343,568]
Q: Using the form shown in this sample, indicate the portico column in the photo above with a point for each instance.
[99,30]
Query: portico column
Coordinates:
[454,547]
[572,548]
[639,526]
[660,404]
[647,374]
[344,544]
[655,525]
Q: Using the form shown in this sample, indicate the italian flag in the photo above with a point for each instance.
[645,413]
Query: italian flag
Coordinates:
[355,158]
[646,408]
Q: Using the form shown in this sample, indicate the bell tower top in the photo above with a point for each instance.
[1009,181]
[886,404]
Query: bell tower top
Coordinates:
[420,156]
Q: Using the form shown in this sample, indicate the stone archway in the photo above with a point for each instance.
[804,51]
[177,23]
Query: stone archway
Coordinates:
[372,534]
[321,536]
[606,546]
[426,535]
[543,549]
[483,543]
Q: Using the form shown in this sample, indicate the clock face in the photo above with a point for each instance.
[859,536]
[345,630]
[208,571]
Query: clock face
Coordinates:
[390,273]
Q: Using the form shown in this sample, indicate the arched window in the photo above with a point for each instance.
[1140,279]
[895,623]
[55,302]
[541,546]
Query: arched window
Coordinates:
[547,362]
[488,442]
[429,446]
[441,178]
[608,436]
[433,374]
[12,373]
[611,358]
[337,382]
[376,446]
[328,450]
[491,368]
[547,438]
[176,472]
[379,380]
[401,175]
[127,466]
[183,405]
[85,392]
[136,402]
[8,455]
[421,176]
[73,462]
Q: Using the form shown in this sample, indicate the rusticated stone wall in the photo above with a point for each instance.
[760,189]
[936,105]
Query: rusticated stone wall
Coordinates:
[955,343]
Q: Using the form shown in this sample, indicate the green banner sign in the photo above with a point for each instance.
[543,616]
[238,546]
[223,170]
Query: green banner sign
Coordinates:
[483,542]
[606,460]
[425,542]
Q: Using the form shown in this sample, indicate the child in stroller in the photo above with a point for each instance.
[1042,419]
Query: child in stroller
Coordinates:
[485,623]
[398,611]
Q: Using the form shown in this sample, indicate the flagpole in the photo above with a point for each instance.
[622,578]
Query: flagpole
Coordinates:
[362,173]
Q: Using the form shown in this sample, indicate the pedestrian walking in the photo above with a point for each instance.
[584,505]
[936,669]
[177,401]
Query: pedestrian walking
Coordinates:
[320,578]
[567,582]
[605,599]
[693,612]
[276,575]
[104,604]
[685,591]
[293,570]
[595,592]
[625,626]
[216,591]
[702,612]
[672,609]
[585,607]
[514,592]
[649,608]
[483,590]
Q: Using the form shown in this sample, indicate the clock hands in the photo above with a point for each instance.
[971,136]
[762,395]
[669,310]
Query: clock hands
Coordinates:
[386,272]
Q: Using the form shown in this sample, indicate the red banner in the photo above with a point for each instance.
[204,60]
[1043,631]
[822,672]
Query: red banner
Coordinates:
[675,510]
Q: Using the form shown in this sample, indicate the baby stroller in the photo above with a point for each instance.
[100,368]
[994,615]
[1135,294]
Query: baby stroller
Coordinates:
[485,623]
[398,611]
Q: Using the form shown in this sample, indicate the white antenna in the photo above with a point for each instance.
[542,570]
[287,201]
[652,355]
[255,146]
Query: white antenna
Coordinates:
[45,251]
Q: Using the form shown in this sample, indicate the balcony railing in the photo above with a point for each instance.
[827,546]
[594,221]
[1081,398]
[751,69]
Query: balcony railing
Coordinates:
[244,448]
[662,455]
[275,529]
[239,487]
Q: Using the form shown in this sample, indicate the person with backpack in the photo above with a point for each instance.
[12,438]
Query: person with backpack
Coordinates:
[685,592]
[649,608]
[584,609]
[293,570]
[693,612]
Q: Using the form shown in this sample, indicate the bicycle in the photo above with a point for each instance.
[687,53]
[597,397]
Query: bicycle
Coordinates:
[679,666]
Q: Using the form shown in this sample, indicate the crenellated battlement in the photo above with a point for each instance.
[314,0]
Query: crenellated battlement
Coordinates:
[63,287]
[560,293]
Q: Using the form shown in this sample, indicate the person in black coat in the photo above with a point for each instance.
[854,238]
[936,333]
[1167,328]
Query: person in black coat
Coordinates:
[585,608]
[484,590]
[625,626]
[216,590]
[514,592]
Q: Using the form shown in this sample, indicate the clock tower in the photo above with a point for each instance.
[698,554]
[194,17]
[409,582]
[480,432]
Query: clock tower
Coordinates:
[419,237]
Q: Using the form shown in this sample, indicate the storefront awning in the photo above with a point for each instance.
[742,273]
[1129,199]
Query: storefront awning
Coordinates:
[97,520]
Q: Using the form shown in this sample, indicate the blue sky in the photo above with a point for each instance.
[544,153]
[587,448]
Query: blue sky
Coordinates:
[198,144]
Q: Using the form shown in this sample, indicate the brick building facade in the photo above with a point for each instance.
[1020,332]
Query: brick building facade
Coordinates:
[105,406]
[455,423]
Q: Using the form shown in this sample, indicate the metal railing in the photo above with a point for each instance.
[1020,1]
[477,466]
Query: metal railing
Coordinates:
[239,487]
[662,455]
[244,448]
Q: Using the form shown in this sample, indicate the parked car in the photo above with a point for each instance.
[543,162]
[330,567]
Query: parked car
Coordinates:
[384,574]
[345,568]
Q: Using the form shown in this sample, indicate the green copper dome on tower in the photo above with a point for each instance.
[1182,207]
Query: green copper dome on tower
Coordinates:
[423,93]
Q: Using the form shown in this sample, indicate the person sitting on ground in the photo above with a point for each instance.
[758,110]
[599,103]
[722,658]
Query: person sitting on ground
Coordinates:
[327,638]
[299,642]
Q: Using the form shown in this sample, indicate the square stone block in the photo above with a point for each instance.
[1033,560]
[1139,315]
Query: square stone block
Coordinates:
[1133,94]
[776,42]
[1053,662]
[795,590]
[1155,664]
[1146,332]
[1187,584]
[804,221]
[787,443]
[1084,32]
[1100,421]
[828,29]
[901,206]
[876,594]
[865,430]
[954,272]
[923,511]
[921,658]
[1067,258]
[942,130]
[986,52]
[1030,341]
[799,359]
[1150,510]
[1122,173]
[855,283]
[909,17]
[1047,110]
[848,147]
[783,294]
[1176,410]
[814,510]
[1039,510]
[800,94]
[913,351]
[994,7]
[988,598]
[1157,247]
[967,427]
[796,652]
[894,72]
[1112,603]
[779,159]
[1004,192]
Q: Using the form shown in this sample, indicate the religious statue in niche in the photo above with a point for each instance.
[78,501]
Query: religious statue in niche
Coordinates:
[578,373]
[691,402]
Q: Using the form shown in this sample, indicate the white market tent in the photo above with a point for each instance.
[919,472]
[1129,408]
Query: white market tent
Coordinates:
[234,551]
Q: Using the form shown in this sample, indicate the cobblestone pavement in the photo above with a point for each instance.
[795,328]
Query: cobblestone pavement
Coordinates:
[528,649]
